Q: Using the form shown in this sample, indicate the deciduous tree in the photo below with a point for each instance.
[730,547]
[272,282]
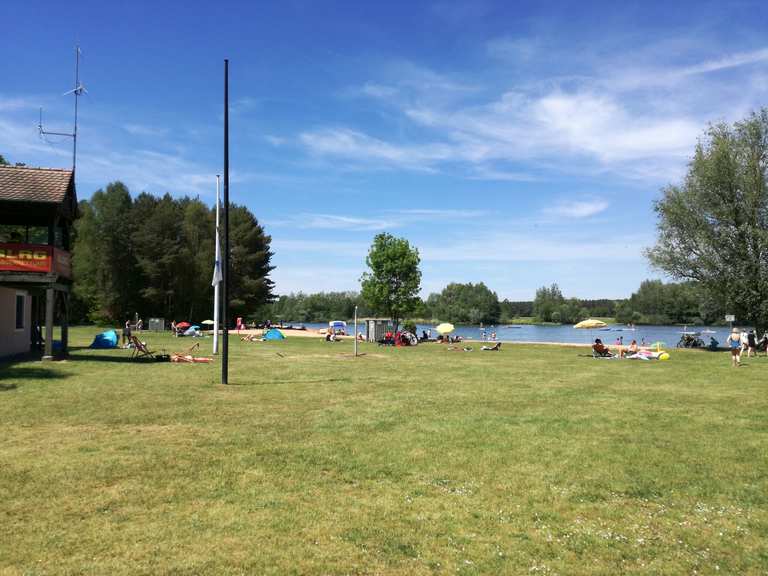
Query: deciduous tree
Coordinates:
[713,228]
[392,285]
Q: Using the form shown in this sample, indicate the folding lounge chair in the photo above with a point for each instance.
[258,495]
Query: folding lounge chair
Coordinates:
[140,349]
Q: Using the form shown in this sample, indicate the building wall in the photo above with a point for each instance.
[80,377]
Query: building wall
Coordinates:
[14,341]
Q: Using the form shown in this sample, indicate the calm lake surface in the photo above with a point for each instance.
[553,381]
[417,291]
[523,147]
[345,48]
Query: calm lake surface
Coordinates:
[526,333]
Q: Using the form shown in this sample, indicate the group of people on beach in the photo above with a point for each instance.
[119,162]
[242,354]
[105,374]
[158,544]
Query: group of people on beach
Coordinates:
[632,351]
[743,341]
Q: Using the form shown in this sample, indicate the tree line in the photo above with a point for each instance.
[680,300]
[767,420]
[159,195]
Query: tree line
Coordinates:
[153,256]
[655,302]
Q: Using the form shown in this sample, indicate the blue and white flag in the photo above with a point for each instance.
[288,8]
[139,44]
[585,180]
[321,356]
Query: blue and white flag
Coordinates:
[217,264]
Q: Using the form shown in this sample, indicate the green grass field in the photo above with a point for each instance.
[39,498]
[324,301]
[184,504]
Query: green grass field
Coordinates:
[534,460]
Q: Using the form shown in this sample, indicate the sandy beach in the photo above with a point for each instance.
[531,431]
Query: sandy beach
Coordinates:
[314,333]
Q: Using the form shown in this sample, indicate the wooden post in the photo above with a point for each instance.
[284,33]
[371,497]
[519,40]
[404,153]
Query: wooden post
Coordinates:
[64,323]
[50,302]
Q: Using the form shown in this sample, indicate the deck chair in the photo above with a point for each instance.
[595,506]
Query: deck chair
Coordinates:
[140,349]
[495,348]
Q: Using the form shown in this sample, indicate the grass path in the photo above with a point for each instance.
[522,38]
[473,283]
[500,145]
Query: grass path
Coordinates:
[404,461]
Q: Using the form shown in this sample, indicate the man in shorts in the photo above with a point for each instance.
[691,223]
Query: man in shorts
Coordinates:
[734,343]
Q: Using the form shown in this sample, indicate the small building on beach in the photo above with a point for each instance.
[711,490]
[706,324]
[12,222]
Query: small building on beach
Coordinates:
[376,328]
[37,209]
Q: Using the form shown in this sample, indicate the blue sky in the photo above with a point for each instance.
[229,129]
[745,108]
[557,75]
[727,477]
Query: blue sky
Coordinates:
[517,144]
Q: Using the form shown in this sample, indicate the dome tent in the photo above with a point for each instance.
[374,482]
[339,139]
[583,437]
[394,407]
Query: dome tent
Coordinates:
[107,339]
[273,334]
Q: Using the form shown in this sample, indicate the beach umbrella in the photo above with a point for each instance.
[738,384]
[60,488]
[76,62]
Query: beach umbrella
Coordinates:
[183,325]
[445,328]
[590,324]
[207,322]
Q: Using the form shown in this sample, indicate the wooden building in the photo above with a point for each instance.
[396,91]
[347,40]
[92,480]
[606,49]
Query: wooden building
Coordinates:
[37,209]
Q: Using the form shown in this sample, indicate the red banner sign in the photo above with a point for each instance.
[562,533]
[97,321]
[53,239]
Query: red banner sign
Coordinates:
[34,258]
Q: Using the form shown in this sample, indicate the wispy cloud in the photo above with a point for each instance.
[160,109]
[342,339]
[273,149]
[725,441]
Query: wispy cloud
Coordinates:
[144,130]
[604,122]
[637,78]
[290,248]
[275,141]
[357,146]
[516,49]
[9,103]
[388,220]
[506,247]
[337,222]
[378,90]
[577,209]
[147,170]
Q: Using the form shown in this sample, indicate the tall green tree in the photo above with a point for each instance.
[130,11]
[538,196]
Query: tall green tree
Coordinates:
[250,287]
[104,263]
[548,301]
[465,303]
[3,161]
[713,228]
[392,285]
[154,256]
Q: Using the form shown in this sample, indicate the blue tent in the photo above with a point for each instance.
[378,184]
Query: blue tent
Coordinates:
[106,339]
[273,334]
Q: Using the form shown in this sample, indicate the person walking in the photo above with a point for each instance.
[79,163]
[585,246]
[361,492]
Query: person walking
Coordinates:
[734,343]
[751,344]
[127,332]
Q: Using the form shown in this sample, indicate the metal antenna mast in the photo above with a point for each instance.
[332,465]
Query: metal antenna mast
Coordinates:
[78,91]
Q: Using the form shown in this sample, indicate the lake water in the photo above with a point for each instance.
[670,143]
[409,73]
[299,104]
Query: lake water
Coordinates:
[567,333]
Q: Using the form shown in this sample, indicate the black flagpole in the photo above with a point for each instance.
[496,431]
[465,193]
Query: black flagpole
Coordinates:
[225,267]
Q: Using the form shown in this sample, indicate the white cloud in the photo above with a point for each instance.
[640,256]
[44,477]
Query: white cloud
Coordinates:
[378,90]
[337,222]
[550,247]
[143,130]
[357,146]
[578,208]
[14,103]
[655,77]
[632,121]
[147,170]
[516,49]
[430,214]
[729,61]
[275,141]
[328,278]
[517,128]
[290,248]
[389,220]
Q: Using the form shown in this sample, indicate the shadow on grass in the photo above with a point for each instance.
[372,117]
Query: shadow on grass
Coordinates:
[10,373]
[113,358]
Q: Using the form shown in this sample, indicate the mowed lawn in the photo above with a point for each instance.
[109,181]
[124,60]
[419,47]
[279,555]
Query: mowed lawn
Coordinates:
[534,460]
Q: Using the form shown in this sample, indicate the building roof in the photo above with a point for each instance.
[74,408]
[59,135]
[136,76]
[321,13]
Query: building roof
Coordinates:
[24,184]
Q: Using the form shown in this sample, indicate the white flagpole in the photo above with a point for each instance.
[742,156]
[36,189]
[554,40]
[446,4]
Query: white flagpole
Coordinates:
[216,277]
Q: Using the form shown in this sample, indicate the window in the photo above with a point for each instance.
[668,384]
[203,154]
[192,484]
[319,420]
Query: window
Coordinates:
[21,298]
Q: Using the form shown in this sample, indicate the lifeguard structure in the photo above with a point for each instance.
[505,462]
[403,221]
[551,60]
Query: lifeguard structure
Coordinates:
[37,209]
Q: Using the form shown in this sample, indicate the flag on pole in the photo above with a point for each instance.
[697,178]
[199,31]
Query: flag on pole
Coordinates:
[217,278]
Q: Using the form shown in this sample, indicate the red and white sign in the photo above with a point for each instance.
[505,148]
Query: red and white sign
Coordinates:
[35,258]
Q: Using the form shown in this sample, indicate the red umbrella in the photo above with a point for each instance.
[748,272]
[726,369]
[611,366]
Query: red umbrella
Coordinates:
[183,325]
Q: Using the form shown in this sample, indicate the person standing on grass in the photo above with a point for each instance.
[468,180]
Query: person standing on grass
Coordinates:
[751,344]
[127,332]
[734,343]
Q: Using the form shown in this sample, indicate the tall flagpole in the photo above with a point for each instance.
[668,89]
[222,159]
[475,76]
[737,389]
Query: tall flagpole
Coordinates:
[225,267]
[216,276]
